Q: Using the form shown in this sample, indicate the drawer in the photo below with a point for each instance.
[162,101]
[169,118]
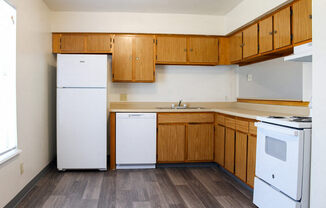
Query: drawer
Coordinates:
[242,126]
[230,122]
[220,119]
[185,118]
[252,128]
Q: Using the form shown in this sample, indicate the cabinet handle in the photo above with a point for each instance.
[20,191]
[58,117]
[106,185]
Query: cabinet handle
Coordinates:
[310,16]
[271,33]
[137,58]
[191,49]
[185,50]
[242,45]
[275,31]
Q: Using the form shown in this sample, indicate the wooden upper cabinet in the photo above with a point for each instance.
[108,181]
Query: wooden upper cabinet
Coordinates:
[302,20]
[144,58]
[99,43]
[122,58]
[282,28]
[171,143]
[266,34]
[250,41]
[235,44]
[200,142]
[171,49]
[73,43]
[203,50]
[224,51]
[133,58]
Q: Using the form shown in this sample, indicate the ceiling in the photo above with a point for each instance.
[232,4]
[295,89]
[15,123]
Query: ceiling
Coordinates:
[203,7]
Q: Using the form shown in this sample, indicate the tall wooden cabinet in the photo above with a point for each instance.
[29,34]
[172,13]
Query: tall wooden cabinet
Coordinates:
[133,58]
[302,20]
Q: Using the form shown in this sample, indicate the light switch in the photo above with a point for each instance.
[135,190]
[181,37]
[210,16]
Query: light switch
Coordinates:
[249,77]
[123,97]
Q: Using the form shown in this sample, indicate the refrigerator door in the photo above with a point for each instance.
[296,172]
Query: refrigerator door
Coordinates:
[81,128]
[81,70]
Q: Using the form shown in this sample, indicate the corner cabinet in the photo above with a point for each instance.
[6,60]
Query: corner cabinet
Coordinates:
[133,58]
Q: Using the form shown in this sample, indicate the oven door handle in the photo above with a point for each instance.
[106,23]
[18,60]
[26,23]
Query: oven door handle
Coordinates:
[278,129]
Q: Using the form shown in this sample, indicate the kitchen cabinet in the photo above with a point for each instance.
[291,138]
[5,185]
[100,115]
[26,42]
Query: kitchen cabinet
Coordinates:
[99,43]
[133,58]
[185,137]
[219,144]
[171,49]
[241,155]
[236,47]
[171,143]
[229,149]
[200,142]
[266,34]
[73,43]
[302,21]
[251,159]
[282,28]
[203,50]
[250,41]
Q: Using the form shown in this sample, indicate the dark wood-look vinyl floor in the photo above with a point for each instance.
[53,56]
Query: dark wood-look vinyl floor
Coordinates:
[161,187]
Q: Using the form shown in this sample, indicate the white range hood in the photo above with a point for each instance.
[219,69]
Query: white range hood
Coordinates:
[302,53]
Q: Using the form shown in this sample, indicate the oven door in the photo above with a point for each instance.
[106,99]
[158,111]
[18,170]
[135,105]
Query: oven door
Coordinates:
[280,158]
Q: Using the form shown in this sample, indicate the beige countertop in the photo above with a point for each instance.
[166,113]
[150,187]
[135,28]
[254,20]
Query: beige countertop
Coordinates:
[251,111]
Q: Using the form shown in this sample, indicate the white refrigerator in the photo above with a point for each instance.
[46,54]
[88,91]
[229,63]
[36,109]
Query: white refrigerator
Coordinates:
[81,112]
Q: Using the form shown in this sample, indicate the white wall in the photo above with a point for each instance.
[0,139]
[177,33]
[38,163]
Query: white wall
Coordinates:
[248,10]
[190,83]
[35,98]
[275,79]
[137,23]
[318,161]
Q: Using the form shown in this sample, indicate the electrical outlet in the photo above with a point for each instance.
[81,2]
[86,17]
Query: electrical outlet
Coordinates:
[123,97]
[21,168]
[249,77]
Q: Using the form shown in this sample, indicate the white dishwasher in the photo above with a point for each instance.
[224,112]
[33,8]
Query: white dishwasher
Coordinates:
[135,140]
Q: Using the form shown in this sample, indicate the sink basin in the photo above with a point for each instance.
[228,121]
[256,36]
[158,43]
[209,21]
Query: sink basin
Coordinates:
[181,108]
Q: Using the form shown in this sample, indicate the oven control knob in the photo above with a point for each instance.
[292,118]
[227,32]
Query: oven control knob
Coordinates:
[273,176]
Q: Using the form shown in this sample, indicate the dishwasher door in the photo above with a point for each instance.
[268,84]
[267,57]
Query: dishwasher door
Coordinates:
[135,140]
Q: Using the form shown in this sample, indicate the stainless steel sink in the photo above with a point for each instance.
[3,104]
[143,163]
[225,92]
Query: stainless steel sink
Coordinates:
[181,108]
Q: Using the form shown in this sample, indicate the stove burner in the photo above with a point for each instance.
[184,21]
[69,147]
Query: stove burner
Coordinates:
[276,117]
[302,120]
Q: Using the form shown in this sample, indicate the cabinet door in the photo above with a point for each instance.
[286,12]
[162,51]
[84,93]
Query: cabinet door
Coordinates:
[219,144]
[250,41]
[144,58]
[241,155]
[171,143]
[302,20]
[229,149]
[73,43]
[122,66]
[171,49]
[236,47]
[200,142]
[266,34]
[282,28]
[99,43]
[203,50]
[251,163]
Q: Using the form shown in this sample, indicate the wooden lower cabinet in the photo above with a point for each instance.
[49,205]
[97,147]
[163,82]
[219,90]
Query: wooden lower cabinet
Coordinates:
[241,155]
[200,142]
[229,149]
[171,143]
[251,162]
[219,144]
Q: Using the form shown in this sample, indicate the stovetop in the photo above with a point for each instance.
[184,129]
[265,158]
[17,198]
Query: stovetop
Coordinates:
[291,121]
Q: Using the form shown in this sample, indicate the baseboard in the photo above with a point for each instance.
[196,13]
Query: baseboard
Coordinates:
[235,178]
[14,202]
[186,165]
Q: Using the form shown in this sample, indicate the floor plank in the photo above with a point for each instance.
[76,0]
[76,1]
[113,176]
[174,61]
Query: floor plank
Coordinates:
[160,188]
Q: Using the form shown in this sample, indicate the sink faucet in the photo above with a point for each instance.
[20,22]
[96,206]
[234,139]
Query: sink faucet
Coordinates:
[180,101]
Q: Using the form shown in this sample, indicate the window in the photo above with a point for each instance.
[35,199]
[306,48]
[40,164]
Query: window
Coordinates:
[8,120]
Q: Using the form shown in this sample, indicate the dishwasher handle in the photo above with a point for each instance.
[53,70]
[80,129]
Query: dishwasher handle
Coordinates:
[136,115]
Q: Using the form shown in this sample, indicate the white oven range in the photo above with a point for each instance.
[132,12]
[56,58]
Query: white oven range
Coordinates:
[282,174]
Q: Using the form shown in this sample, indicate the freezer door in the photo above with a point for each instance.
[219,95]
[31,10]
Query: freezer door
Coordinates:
[81,128]
[81,70]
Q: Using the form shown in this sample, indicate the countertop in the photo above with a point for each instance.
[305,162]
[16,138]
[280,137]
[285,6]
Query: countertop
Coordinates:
[251,111]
